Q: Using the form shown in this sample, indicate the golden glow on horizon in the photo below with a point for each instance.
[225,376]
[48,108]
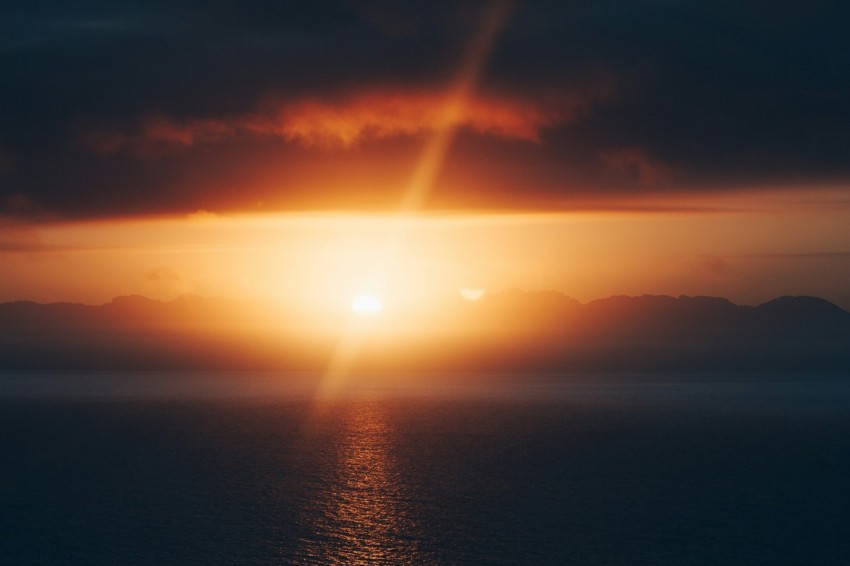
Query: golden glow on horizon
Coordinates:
[312,261]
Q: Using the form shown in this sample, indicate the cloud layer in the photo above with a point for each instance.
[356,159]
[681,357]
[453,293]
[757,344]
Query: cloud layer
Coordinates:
[576,100]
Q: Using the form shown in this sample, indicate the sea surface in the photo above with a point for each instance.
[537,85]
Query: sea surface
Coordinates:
[573,469]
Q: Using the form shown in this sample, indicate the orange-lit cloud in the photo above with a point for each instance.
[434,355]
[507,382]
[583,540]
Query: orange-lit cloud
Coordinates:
[365,116]
[201,215]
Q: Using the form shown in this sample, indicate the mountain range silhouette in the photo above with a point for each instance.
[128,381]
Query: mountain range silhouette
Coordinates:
[508,331]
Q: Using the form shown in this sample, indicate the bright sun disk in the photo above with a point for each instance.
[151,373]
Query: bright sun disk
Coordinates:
[366,304]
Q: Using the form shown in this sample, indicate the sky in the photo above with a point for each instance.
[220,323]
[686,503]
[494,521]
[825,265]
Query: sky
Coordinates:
[260,148]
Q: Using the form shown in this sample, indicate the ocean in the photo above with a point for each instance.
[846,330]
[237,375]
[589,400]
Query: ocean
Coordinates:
[251,469]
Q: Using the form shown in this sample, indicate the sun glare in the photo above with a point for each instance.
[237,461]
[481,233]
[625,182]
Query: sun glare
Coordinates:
[366,304]
[472,294]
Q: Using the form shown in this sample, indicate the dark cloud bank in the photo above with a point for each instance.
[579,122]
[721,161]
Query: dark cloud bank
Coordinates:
[146,107]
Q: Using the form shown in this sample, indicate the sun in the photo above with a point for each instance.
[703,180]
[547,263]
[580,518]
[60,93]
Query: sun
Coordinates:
[366,304]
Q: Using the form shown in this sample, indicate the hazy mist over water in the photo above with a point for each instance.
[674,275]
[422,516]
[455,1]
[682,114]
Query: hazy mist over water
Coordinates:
[247,468]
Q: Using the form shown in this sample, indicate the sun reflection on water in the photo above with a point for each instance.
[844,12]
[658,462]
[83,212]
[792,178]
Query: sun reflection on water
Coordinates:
[362,514]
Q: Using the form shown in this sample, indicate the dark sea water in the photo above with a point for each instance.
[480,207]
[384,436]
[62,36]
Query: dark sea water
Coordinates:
[248,469]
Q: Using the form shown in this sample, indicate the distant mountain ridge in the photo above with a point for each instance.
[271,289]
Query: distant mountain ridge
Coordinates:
[513,330]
